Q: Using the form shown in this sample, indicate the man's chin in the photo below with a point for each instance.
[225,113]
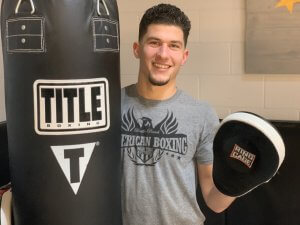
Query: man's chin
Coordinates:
[158,82]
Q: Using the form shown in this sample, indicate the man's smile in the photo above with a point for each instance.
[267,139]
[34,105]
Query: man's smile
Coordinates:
[161,66]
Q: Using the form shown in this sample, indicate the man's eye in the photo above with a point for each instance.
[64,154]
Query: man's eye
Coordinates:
[175,46]
[154,43]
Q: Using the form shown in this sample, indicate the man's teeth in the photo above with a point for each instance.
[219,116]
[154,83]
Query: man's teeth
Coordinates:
[161,66]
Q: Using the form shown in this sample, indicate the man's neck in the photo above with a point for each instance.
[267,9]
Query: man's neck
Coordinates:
[153,92]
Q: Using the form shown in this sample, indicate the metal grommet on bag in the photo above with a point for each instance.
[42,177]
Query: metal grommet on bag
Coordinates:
[105,6]
[19,4]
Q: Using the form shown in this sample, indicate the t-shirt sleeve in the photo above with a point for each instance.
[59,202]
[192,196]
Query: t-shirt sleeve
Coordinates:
[204,151]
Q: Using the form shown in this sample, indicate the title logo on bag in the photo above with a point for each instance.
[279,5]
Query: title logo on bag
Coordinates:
[73,160]
[64,107]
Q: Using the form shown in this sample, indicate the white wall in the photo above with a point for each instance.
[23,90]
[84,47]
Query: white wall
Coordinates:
[215,70]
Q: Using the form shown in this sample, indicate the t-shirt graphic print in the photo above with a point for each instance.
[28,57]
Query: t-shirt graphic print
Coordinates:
[146,143]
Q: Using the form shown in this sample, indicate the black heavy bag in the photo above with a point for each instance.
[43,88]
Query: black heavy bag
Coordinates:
[4,167]
[62,88]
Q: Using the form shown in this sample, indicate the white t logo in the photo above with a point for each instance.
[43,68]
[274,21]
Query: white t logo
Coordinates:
[73,160]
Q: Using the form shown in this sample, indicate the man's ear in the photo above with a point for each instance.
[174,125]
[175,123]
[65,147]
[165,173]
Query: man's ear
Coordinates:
[136,50]
[185,56]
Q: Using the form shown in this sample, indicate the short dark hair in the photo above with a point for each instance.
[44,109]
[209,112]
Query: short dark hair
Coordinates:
[165,14]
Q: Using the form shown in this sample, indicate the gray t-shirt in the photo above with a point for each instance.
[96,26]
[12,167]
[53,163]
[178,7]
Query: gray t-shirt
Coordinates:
[161,143]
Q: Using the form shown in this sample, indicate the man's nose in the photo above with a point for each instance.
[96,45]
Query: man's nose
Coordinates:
[163,51]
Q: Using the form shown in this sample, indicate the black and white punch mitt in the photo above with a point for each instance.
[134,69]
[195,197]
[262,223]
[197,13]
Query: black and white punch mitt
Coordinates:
[248,151]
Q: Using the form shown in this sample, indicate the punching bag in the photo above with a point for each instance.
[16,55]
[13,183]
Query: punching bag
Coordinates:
[4,167]
[62,91]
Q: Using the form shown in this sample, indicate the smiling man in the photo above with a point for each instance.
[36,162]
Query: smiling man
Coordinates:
[167,135]
[162,52]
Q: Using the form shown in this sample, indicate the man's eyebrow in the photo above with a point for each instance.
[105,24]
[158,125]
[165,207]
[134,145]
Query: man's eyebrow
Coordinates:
[157,39]
[153,38]
[177,42]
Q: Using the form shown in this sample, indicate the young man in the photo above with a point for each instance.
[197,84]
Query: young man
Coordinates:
[166,135]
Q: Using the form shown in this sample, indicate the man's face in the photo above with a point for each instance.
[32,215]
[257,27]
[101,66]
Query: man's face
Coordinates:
[161,52]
